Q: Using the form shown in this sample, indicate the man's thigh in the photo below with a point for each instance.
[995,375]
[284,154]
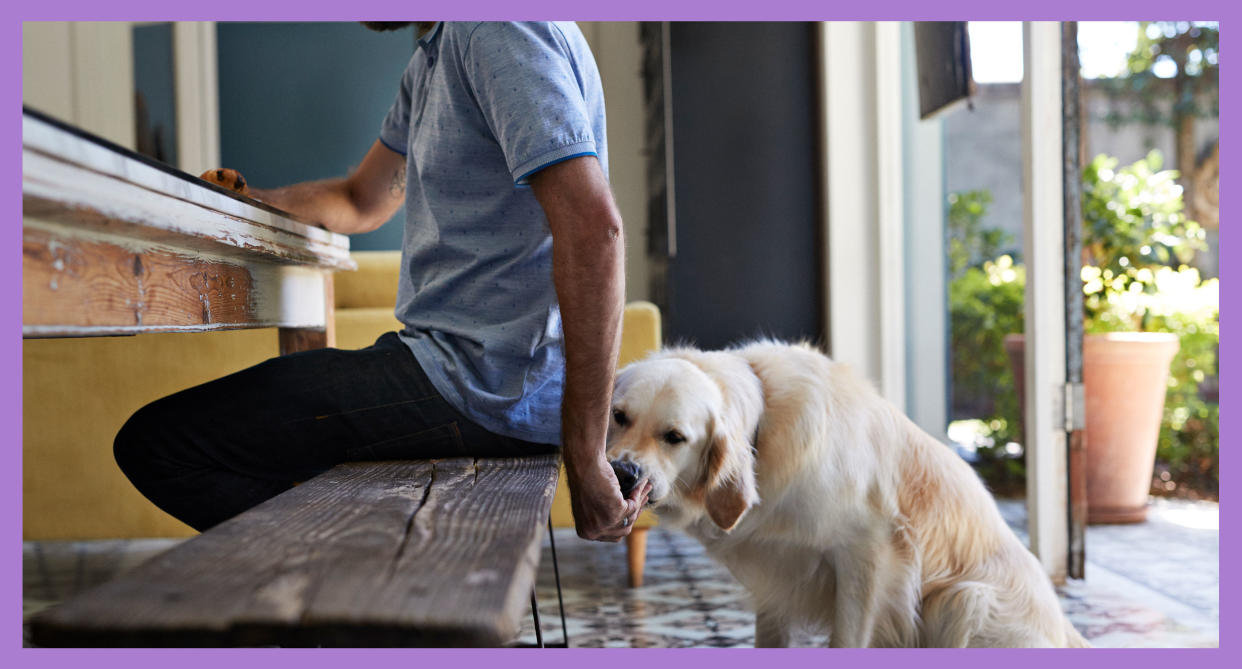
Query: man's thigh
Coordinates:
[294,416]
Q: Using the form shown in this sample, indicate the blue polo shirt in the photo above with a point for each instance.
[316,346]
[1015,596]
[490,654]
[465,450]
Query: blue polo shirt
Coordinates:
[482,107]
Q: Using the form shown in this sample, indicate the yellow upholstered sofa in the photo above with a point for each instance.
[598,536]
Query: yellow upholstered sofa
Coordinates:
[76,394]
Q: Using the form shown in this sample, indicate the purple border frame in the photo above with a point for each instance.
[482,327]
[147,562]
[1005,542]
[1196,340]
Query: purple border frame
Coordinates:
[10,318]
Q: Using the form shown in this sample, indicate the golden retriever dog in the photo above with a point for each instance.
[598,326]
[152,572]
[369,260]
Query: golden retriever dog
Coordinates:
[835,511]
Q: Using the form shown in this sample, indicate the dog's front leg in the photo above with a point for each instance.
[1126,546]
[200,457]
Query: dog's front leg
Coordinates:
[771,630]
[854,608]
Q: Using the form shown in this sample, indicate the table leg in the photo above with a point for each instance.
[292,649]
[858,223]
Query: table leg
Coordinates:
[293,340]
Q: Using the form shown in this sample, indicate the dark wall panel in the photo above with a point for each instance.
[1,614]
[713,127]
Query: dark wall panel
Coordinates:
[746,178]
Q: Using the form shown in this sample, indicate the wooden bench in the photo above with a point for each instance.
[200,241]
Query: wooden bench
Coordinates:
[414,553]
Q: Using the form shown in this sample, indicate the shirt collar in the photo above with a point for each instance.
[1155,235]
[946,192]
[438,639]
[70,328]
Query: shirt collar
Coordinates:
[428,40]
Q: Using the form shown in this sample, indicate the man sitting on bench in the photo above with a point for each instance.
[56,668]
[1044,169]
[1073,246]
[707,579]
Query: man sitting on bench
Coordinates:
[511,293]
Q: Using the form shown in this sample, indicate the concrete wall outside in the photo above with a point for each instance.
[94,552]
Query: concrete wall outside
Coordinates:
[983,149]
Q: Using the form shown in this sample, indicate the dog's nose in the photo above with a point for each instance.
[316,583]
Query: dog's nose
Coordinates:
[628,473]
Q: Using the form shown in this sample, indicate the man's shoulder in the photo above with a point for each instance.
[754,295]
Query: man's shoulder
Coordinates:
[469,28]
[462,34]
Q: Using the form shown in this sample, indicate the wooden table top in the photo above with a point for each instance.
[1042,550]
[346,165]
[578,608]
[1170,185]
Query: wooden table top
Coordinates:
[117,243]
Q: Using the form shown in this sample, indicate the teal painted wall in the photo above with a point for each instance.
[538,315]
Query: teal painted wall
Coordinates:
[304,101]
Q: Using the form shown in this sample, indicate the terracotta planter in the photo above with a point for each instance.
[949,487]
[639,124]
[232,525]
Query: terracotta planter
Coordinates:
[1125,377]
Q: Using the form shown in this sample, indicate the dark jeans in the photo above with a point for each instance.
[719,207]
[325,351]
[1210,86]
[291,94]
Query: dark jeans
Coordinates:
[210,452]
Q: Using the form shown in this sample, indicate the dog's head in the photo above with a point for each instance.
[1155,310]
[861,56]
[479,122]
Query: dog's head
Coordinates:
[686,421]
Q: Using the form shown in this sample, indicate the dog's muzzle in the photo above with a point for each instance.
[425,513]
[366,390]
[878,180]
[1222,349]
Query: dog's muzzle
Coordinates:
[628,475]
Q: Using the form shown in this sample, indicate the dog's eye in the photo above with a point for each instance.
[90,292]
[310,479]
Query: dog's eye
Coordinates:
[619,416]
[673,437]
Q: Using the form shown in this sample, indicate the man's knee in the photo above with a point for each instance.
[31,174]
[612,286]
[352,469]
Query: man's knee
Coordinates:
[136,446]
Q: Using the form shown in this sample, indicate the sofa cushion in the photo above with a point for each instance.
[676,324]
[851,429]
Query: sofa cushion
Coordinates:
[374,284]
[359,328]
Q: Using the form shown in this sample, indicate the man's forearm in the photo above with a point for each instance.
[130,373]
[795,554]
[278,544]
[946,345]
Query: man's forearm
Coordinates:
[325,202]
[588,270]
[361,202]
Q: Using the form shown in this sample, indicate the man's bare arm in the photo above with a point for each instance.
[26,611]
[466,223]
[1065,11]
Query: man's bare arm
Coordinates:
[588,268]
[360,202]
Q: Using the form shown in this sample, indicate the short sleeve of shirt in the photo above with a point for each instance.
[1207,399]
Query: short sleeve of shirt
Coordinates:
[396,128]
[528,89]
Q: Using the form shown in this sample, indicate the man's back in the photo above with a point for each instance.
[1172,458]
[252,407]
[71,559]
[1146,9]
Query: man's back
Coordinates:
[482,106]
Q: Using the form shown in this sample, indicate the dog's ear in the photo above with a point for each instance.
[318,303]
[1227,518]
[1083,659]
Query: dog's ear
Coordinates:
[727,503]
[730,478]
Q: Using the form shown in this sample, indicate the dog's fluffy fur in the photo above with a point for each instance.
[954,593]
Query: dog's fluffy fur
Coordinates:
[828,504]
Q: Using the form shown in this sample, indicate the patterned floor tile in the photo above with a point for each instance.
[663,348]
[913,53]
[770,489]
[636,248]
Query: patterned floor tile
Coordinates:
[1131,598]
[1149,585]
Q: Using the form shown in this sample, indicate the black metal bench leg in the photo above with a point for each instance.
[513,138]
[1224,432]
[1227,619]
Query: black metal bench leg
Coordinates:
[560,600]
[556,570]
[534,609]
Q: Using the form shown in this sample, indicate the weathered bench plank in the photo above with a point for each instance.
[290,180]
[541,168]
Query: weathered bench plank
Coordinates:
[418,553]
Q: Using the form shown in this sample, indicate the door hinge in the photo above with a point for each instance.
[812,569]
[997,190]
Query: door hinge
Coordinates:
[1071,407]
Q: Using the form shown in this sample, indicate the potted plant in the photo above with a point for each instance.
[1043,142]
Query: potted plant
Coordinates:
[1134,230]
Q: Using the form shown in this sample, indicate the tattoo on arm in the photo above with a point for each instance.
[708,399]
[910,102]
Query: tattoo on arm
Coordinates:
[397,186]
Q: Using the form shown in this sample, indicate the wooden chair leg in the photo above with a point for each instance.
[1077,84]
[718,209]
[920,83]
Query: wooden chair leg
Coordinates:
[636,554]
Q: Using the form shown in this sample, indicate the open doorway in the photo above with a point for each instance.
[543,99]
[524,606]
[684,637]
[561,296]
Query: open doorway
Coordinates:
[1148,150]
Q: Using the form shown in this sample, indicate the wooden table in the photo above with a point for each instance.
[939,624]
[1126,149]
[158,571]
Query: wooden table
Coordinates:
[115,243]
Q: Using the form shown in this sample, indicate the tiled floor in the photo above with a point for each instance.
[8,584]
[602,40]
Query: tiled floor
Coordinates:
[1154,584]
[1147,585]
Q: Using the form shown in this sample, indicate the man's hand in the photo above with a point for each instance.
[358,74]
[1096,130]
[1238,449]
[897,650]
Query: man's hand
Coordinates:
[588,268]
[596,499]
